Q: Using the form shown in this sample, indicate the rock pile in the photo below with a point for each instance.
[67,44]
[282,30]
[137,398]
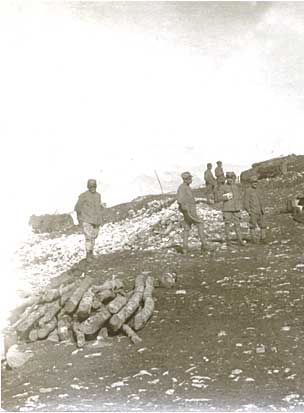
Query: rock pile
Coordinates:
[83,310]
[51,223]
[156,226]
[272,168]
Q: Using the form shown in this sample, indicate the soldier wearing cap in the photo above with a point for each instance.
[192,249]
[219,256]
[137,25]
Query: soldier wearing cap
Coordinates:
[254,205]
[210,182]
[232,205]
[89,210]
[187,207]
[219,172]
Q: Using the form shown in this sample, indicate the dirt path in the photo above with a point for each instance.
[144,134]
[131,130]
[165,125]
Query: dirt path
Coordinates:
[229,335]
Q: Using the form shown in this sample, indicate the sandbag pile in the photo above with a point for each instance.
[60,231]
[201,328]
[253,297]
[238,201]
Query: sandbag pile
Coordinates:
[82,310]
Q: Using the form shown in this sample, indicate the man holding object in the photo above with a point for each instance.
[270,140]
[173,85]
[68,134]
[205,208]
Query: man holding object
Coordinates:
[232,205]
[187,206]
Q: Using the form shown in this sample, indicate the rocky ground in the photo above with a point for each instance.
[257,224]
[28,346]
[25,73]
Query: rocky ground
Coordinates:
[228,336]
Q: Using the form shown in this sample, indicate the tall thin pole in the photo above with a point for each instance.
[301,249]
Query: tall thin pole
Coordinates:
[161,188]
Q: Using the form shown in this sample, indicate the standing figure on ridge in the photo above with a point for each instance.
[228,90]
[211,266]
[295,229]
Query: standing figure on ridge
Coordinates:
[219,172]
[88,209]
[210,182]
[254,205]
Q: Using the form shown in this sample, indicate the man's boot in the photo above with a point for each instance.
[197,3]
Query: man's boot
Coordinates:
[239,237]
[228,242]
[89,256]
[253,236]
[185,243]
[263,236]
[207,247]
[204,247]
[204,243]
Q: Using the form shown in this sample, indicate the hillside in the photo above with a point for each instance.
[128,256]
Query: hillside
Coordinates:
[228,336]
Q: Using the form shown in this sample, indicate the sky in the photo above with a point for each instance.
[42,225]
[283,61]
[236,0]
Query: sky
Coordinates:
[114,90]
[117,90]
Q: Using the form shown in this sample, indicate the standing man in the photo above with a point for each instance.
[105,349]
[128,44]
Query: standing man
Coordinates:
[219,172]
[210,182]
[232,205]
[187,206]
[88,209]
[254,205]
[219,188]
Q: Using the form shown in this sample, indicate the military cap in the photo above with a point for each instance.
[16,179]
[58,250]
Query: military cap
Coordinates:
[91,182]
[230,174]
[186,175]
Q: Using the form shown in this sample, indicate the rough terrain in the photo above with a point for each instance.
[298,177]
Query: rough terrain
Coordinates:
[228,336]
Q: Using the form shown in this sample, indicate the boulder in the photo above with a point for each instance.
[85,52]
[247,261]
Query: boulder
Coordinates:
[16,356]
[51,223]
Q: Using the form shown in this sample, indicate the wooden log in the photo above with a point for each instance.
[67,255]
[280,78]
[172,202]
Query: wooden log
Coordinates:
[45,330]
[92,324]
[109,285]
[33,334]
[117,320]
[143,315]
[149,287]
[51,311]
[26,305]
[100,297]
[103,332]
[61,314]
[106,295]
[115,305]
[25,315]
[131,334]
[73,301]
[53,336]
[85,305]
[64,331]
[96,303]
[66,292]
[50,295]
[31,319]
[79,334]
[140,283]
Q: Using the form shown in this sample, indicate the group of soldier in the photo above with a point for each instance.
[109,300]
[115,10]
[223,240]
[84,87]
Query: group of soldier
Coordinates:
[222,187]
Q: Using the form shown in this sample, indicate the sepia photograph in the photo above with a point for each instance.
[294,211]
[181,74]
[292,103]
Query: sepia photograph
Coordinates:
[153,206]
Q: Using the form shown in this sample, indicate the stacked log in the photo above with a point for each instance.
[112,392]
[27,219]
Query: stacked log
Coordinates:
[117,320]
[142,317]
[82,310]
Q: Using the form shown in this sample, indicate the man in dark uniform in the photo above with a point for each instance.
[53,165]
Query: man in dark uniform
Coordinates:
[232,205]
[210,182]
[219,172]
[254,205]
[187,207]
[88,209]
